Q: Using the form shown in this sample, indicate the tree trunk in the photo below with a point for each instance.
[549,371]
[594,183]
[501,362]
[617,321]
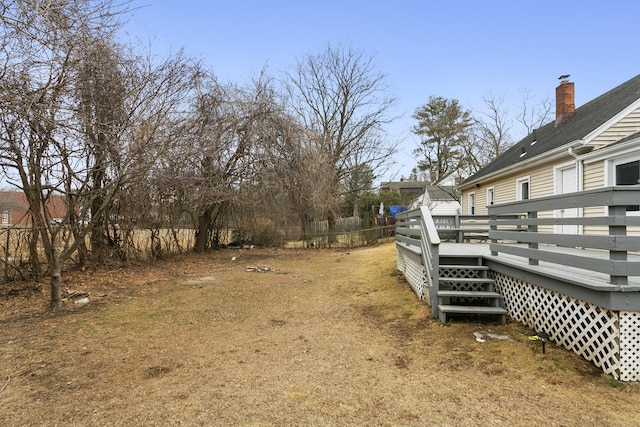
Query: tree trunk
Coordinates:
[34,257]
[98,238]
[204,221]
[82,252]
[355,207]
[332,236]
[56,280]
[304,227]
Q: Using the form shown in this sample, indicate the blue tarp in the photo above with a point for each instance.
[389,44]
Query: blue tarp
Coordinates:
[396,210]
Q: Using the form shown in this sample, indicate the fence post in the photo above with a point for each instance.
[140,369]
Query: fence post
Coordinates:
[6,255]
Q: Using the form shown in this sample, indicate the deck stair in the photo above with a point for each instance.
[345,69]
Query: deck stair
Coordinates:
[465,289]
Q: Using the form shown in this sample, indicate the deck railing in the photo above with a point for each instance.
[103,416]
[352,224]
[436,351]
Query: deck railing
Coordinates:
[461,228]
[416,234]
[465,228]
[548,226]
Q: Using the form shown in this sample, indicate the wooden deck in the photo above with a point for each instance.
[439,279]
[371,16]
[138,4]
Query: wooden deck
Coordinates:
[584,277]
[559,276]
[587,300]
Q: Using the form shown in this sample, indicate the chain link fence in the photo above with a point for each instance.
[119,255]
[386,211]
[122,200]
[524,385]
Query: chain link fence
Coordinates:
[24,258]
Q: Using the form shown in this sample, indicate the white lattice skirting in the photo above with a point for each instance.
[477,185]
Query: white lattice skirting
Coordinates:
[609,339]
[414,273]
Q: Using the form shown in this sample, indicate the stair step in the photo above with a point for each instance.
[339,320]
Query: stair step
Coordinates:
[464,309]
[467,280]
[464,267]
[469,294]
[460,260]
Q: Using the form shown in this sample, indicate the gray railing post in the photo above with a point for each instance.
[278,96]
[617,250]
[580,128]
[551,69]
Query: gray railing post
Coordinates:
[435,280]
[532,228]
[614,255]
[430,245]
[458,226]
[493,227]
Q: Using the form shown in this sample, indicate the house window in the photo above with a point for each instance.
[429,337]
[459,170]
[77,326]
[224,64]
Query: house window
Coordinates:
[5,217]
[523,188]
[629,174]
[490,196]
[472,204]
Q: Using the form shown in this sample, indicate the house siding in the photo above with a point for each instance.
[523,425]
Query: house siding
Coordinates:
[593,178]
[542,185]
[625,127]
[593,175]
[541,181]
[504,193]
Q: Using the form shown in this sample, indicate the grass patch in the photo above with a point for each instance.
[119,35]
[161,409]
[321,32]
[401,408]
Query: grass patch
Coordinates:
[324,338]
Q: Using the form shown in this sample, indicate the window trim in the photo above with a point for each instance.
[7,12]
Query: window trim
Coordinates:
[471,203]
[491,200]
[610,166]
[519,182]
[616,165]
[631,210]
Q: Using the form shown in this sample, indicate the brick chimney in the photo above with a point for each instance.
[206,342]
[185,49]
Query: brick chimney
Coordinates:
[565,104]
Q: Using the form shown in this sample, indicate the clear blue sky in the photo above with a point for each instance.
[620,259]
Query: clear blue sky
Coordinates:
[463,49]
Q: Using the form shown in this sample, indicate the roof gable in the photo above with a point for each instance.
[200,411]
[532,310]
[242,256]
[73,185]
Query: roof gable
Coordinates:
[587,119]
[442,193]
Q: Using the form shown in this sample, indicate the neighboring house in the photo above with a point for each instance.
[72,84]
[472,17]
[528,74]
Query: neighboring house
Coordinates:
[14,208]
[409,190]
[594,146]
[441,200]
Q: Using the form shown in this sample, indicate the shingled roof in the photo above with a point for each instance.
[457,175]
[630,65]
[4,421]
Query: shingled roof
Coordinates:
[585,120]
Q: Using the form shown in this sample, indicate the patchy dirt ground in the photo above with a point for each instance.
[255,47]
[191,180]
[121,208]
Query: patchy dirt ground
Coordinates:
[311,337]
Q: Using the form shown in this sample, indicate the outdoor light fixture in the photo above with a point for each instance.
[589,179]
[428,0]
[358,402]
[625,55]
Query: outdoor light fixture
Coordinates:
[541,336]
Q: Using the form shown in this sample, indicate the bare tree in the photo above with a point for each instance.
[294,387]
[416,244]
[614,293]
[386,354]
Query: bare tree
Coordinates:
[492,133]
[219,159]
[103,119]
[128,106]
[338,95]
[532,115]
[215,152]
[493,127]
[297,175]
[66,129]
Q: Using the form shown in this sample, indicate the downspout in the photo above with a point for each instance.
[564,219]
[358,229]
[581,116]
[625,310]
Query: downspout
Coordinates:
[580,171]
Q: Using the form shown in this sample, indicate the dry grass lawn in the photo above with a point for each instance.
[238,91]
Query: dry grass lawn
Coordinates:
[321,338]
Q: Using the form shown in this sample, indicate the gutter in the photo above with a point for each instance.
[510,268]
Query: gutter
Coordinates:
[556,152]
